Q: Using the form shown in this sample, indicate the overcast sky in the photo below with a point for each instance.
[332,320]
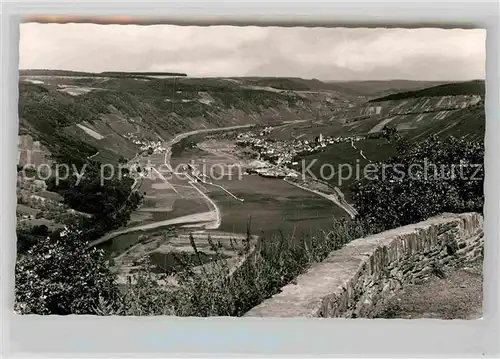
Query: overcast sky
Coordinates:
[323,53]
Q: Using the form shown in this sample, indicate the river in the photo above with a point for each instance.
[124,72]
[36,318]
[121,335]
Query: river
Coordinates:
[270,205]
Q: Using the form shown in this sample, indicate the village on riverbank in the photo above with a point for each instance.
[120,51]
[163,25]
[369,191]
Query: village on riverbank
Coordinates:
[283,153]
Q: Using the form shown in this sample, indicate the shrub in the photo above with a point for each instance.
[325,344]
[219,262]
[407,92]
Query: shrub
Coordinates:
[144,296]
[110,203]
[58,275]
[219,289]
[423,180]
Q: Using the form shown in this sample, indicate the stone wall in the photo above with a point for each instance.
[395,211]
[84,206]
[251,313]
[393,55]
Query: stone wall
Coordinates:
[356,280]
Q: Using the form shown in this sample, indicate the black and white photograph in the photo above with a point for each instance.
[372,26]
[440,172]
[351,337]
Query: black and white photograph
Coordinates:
[249,171]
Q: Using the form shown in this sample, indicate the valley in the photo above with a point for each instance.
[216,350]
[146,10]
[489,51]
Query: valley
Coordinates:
[160,125]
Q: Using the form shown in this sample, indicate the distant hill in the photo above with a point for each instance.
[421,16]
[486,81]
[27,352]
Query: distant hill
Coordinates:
[368,89]
[48,72]
[364,89]
[143,74]
[77,117]
[475,87]
[380,88]
[288,83]
[78,114]
[446,109]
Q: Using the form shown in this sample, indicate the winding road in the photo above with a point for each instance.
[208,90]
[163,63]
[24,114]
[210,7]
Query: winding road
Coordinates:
[360,151]
[347,208]
[215,209]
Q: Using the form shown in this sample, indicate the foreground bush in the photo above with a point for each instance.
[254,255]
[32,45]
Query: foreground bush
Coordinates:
[423,180]
[58,275]
[219,290]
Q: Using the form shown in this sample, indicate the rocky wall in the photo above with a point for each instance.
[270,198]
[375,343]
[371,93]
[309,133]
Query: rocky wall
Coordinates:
[356,280]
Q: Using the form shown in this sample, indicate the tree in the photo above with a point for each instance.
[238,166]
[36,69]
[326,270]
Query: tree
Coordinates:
[41,230]
[59,275]
[389,132]
[28,236]
[423,180]
[91,196]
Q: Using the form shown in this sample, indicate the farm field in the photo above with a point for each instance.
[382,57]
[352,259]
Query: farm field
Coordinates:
[166,196]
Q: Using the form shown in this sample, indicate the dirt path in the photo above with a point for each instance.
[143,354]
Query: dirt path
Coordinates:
[329,197]
[215,211]
[206,220]
[360,151]
[457,296]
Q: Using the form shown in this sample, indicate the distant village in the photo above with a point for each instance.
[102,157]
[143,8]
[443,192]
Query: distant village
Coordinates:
[274,157]
[146,145]
[282,153]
